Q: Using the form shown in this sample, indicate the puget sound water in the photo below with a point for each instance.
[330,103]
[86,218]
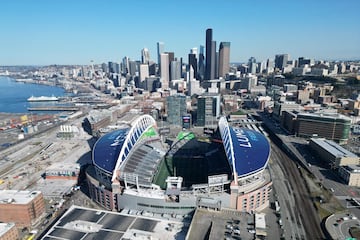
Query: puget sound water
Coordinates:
[14,95]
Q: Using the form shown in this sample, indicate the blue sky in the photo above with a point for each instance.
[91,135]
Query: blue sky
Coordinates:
[76,32]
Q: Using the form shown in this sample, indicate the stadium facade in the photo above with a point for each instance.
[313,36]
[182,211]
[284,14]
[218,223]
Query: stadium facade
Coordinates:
[128,163]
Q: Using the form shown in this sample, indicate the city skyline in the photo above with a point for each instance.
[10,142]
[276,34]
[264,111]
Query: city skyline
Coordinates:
[65,32]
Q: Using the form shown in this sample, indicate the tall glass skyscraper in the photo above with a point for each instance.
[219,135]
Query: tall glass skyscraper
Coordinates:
[201,70]
[224,58]
[210,55]
[160,50]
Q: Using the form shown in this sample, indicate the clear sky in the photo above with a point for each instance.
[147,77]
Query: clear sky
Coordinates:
[77,31]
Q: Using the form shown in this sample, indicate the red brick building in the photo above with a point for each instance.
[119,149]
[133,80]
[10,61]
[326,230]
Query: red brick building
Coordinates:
[24,208]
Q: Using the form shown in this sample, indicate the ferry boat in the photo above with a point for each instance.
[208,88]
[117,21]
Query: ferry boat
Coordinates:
[42,99]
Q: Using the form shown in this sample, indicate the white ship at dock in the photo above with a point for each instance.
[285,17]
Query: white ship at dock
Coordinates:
[42,99]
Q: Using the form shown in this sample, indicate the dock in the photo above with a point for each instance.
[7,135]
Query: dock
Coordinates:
[53,108]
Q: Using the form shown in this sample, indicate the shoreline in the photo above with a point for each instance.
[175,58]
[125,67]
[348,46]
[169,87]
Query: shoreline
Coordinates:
[14,79]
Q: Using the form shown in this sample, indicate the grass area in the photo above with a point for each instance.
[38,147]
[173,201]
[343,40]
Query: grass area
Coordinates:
[239,112]
[323,213]
[192,163]
[355,232]
[329,203]
[165,170]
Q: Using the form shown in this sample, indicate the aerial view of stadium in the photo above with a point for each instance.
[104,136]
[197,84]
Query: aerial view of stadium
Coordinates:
[134,169]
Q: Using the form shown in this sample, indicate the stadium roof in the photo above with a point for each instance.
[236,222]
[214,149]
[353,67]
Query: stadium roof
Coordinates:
[247,150]
[113,148]
[107,149]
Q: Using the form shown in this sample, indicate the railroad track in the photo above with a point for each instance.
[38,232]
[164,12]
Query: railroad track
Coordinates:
[304,205]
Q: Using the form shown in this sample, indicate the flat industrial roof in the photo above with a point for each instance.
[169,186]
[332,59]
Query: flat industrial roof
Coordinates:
[251,150]
[107,149]
[17,197]
[86,224]
[333,148]
[333,116]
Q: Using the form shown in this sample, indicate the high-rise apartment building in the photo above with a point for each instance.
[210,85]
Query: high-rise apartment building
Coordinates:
[224,58]
[208,109]
[176,108]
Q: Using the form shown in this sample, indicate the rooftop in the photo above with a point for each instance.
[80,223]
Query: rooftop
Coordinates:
[333,148]
[4,227]
[85,223]
[352,168]
[333,116]
[17,197]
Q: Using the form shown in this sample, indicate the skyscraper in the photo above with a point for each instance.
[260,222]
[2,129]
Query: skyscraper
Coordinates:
[145,56]
[252,65]
[160,50]
[193,62]
[201,71]
[175,70]
[210,55]
[143,72]
[164,74]
[281,60]
[224,58]
[125,65]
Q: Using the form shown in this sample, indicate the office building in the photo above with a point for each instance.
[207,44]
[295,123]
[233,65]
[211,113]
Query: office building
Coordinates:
[132,68]
[252,65]
[152,68]
[144,72]
[193,63]
[270,66]
[125,65]
[334,154]
[175,70]
[151,83]
[224,59]
[335,127]
[164,70]
[350,174]
[305,61]
[280,107]
[281,61]
[201,70]
[24,208]
[145,56]
[210,56]
[176,109]
[160,50]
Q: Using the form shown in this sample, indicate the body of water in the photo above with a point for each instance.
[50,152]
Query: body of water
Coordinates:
[14,95]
